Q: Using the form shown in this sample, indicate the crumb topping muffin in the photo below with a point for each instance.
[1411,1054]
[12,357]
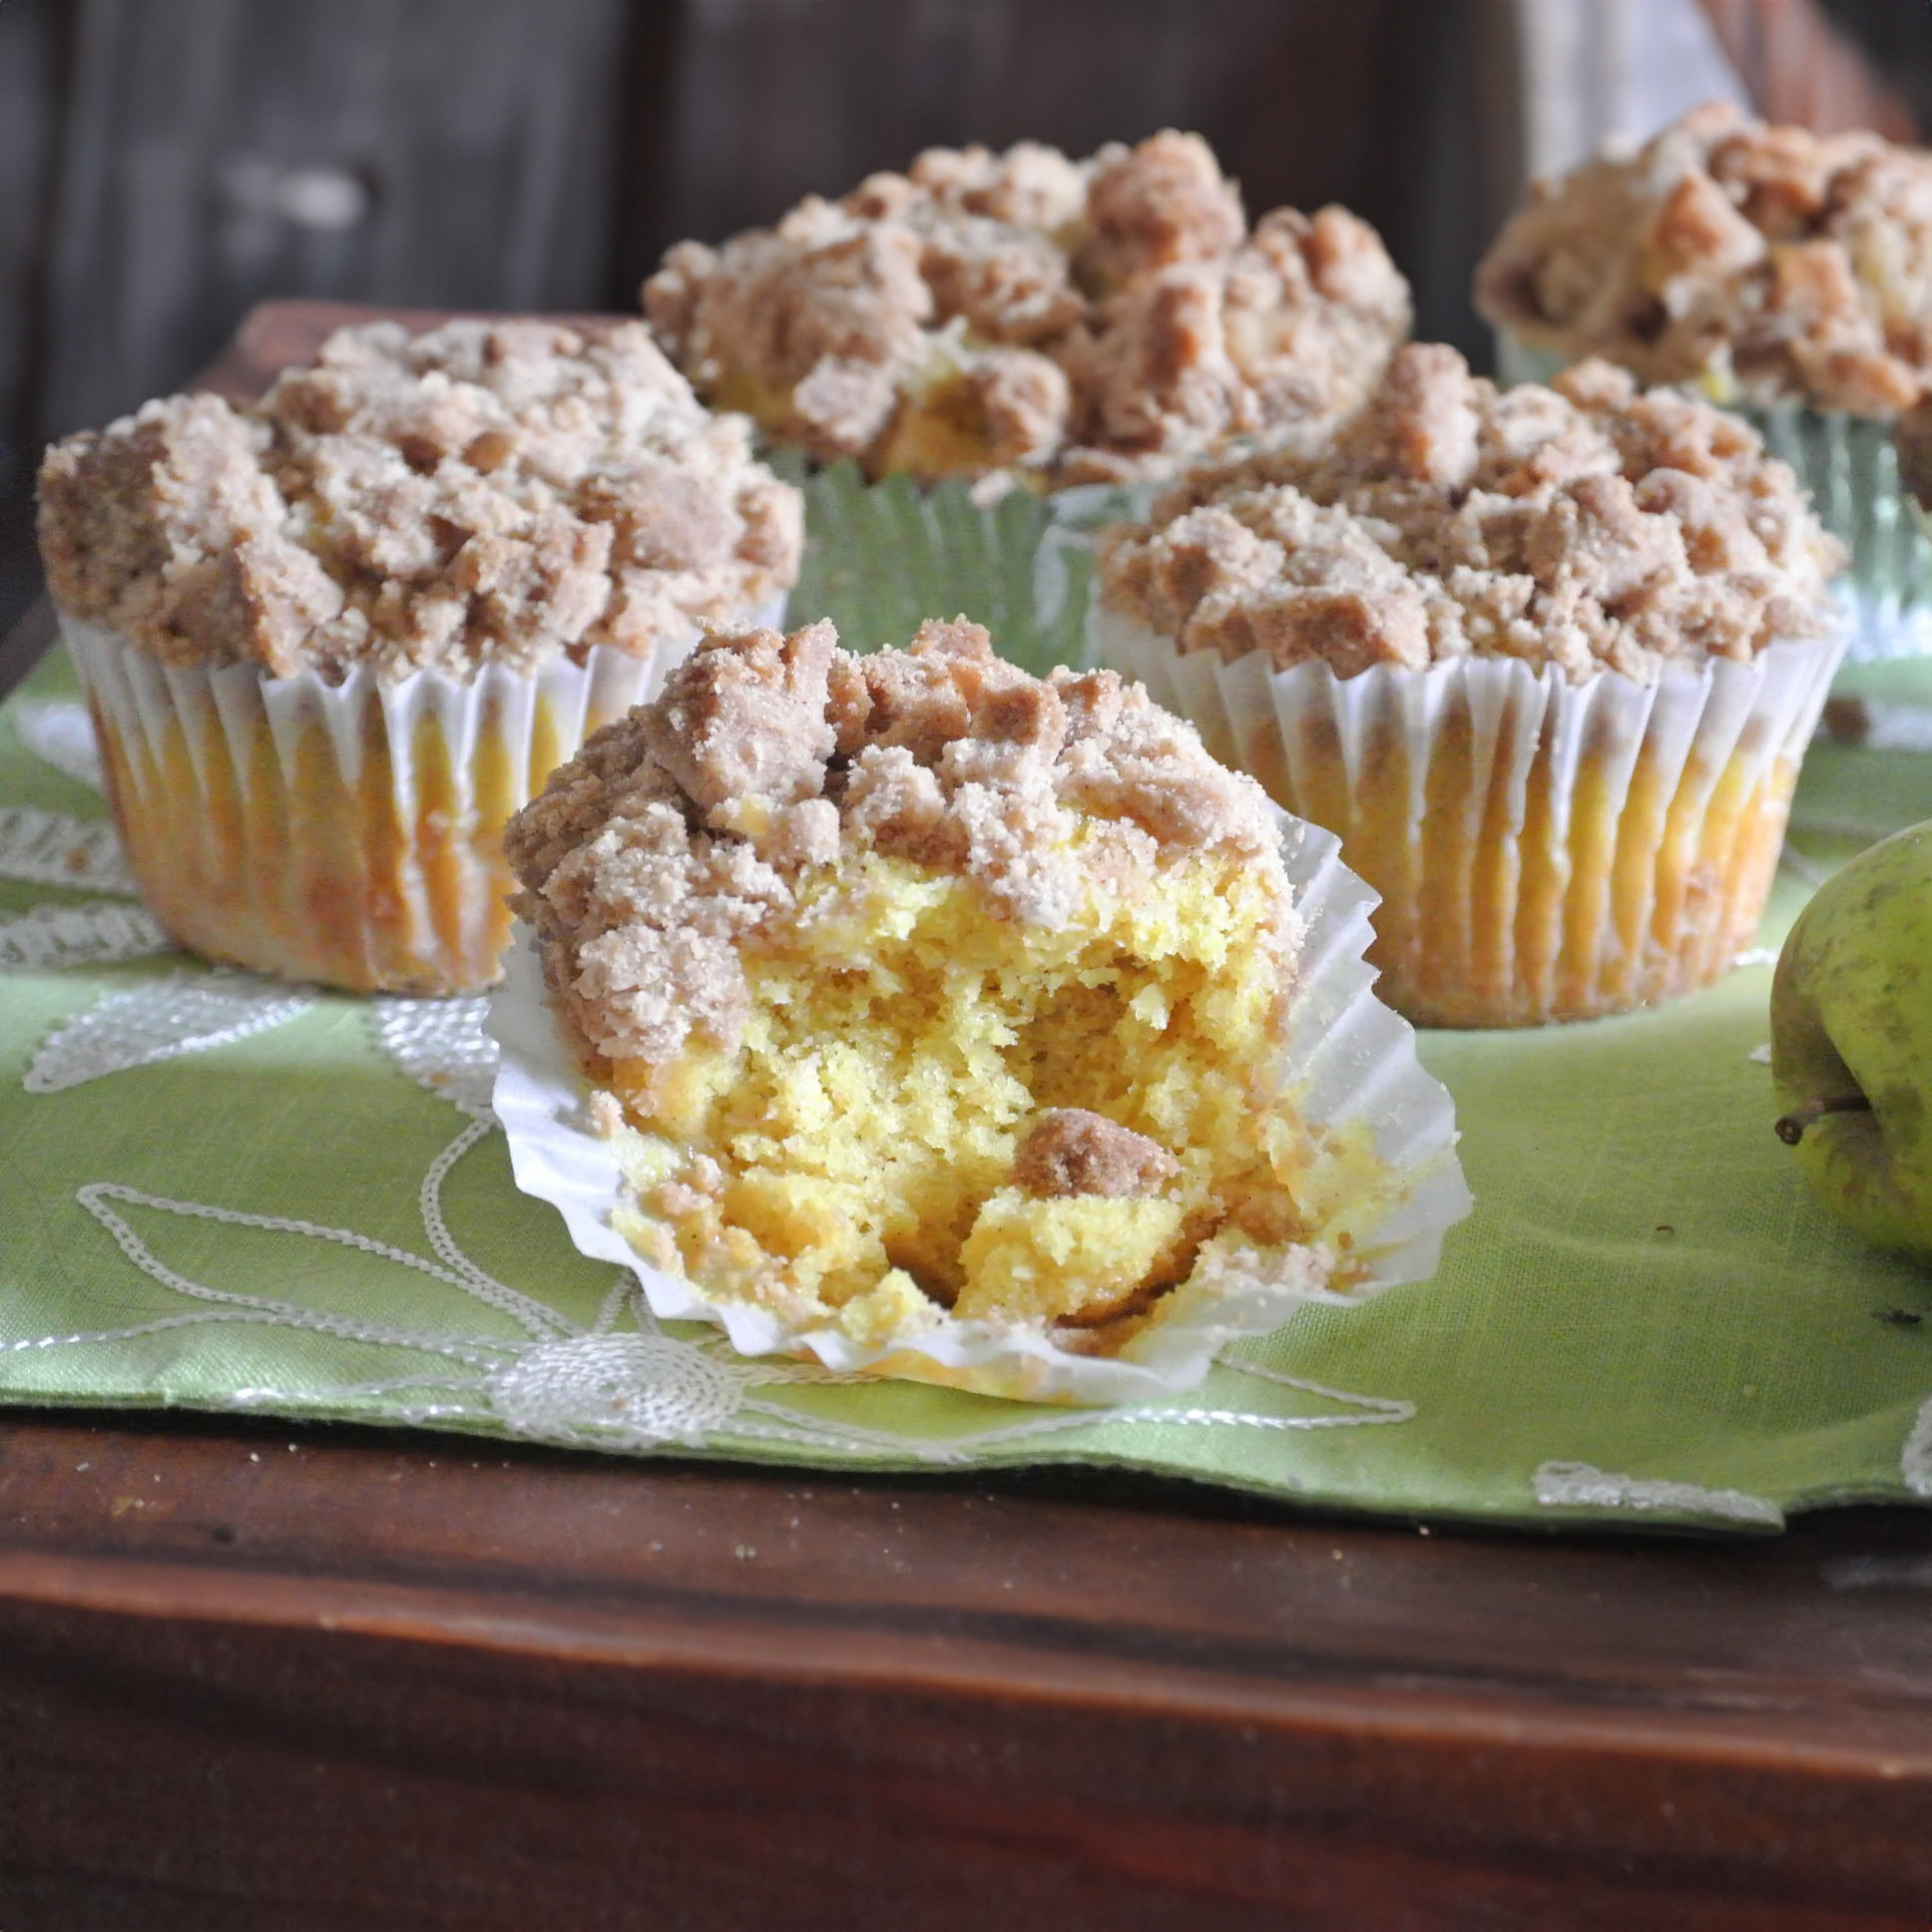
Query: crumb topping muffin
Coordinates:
[1769,262]
[983,311]
[914,983]
[486,493]
[1585,525]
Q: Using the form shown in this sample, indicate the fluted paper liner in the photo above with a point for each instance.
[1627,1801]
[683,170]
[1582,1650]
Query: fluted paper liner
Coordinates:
[1543,851]
[348,833]
[1848,465]
[1385,1174]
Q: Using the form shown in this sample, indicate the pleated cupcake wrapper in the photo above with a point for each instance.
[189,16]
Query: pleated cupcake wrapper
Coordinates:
[1850,468]
[1544,850]
[348,833]
[1385,1175]
[883,557]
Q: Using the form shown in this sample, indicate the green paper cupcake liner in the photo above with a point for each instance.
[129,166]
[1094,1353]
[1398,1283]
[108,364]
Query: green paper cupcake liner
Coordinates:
[881,558]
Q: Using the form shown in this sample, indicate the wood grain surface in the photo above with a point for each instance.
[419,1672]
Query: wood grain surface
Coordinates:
[324,1678]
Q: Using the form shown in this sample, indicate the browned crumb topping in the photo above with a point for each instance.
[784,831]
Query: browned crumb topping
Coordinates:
[1587,525]
[1073,1151]
[1773,263]
[685,827]
[982,310]
[484,493]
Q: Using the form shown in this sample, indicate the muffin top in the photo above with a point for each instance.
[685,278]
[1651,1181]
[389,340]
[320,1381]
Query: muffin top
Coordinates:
[1772,264]
[1088,318]
[1587,525]
[488,492]
[683,828]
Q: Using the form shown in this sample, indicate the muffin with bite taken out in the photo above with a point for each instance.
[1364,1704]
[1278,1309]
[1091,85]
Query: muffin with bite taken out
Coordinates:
[924,998]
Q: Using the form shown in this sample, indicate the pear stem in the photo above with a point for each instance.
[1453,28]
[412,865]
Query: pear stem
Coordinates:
[1789,1128]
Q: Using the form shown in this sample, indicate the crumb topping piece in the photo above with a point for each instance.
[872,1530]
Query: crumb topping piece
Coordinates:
[1773,263]
[1093,319]
[483,493]
[1586,524]
[1073,1151]
[691,822]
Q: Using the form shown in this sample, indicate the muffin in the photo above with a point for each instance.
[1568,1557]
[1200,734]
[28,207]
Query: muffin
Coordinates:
[921,994]
[333,639]
[1545,659]
[1787,275]
[1067,320]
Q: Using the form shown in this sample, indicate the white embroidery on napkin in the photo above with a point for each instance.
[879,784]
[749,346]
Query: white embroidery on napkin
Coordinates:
[1579,1485]
[1915,1459]
[161,1021]
[97,934]
[441,1045]
[634,1391]
[51,848]
[60,733]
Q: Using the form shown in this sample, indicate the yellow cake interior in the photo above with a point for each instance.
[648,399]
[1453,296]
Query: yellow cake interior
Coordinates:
[903,1034]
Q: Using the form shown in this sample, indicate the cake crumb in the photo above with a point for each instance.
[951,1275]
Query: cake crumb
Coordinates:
[1072,1151]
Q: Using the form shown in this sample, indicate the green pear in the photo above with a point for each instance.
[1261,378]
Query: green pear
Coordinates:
[1851,1041]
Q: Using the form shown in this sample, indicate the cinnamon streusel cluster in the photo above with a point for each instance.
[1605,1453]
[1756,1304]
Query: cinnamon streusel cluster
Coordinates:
[1585,524]
[1090,319]
[497,492]
[1770,263]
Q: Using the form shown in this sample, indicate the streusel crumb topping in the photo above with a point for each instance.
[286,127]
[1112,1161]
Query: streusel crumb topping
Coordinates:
[1771,264]
[484,493]
[1587,524]
[1092,318]
[692,823]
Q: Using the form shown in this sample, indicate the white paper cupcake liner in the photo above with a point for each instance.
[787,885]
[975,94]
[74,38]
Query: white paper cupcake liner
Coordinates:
[1849,467]
[347,833]
[1543,851]
[1387,1169]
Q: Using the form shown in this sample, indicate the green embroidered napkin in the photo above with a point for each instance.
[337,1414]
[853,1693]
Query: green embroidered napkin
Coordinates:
[229,1195]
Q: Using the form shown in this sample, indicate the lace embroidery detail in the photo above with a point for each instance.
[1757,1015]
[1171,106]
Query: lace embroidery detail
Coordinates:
[591,1388]
[1915,1459]
[60,733]
[97,934]
[50,848]
[634,1391]
[536,1318]
[441,1045]
[160,1021]
[1578,1485]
